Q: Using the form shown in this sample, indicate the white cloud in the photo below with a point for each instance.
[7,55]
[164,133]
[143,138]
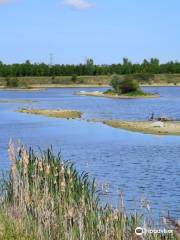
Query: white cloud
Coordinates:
[78,4]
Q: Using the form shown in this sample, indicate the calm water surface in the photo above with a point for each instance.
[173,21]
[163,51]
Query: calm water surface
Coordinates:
[130,162]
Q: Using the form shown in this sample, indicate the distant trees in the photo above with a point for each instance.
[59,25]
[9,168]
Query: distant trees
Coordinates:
[148,67]
[90,68]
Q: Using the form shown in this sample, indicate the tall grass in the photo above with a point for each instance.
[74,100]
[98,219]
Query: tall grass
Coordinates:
[49,199]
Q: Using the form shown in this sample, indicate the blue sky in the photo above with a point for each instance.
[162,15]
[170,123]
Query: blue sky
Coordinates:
[106,30]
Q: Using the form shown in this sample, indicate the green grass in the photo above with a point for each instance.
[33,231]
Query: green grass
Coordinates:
[137,93]
[109,92]
[46,198]
[11,228]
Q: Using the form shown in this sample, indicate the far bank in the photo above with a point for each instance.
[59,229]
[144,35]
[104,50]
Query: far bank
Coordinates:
[93,81]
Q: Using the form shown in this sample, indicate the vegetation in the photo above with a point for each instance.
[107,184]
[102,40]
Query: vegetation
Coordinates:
[145,70]
[100,80]
[15,83]
[12,82]
[127,87]
[124,86]
[59,113]
[44,197]
[74,78]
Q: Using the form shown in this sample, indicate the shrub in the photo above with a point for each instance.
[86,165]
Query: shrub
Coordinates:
[124,86]
[74,78]
[116,83]
[127,86]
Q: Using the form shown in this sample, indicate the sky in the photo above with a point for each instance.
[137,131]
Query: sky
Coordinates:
[73,30]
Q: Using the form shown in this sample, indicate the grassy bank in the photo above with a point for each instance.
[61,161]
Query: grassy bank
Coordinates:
[46,198]
[58,113]
[170,128]
[85,81]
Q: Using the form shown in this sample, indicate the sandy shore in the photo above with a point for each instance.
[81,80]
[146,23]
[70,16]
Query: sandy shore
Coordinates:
[23,89]
[170,128]
[101,94]
[68,85]
[17,101]
[58,113]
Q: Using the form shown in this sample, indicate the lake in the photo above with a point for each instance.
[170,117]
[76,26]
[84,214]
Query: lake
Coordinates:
[133,163]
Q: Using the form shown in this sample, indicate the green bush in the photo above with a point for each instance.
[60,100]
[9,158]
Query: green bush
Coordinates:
[124,86]
[127,86]
[74,78]
[116,83]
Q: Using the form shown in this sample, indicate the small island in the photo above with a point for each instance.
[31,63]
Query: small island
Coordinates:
[154,127]
[57,113]
[124,89]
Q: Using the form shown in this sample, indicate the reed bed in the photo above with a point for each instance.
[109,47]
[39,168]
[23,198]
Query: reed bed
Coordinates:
[48,199]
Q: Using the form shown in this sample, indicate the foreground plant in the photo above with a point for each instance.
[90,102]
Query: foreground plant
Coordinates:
[50,200]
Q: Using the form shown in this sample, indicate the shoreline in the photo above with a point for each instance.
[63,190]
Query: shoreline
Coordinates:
[101,94]
[43,87]
[169,128]
[23,89]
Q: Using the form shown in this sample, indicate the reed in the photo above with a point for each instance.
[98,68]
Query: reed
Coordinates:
[48,199]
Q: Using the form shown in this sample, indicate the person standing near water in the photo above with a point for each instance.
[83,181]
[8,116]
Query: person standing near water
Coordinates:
[152,117]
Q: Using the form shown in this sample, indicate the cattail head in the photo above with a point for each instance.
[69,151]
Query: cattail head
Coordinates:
[40,166]
[71,212]
[116,212]
[62,170]
[25,158]
[11,151]
[47,169]
[63,185]
[69,171]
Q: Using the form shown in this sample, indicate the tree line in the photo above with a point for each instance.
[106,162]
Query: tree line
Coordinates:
[152,66]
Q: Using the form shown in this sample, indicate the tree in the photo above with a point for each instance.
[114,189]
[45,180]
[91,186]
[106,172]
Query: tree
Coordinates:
[116,83]
[90,66]
[129,85]
[124,86]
